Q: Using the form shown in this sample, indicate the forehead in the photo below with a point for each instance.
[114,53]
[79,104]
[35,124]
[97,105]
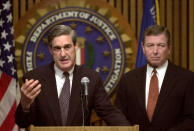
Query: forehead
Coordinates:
[62,39]
[161,38]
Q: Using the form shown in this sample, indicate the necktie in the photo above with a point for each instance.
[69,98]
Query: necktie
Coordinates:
[64,98]
[153,95]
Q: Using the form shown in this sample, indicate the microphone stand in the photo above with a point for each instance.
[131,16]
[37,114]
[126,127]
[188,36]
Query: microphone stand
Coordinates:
[84,101]
[83,114]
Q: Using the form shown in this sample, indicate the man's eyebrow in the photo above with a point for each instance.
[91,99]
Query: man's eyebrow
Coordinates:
[62,46]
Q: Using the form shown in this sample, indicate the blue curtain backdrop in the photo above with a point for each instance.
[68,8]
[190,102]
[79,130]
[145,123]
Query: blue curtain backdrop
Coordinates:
[149,18]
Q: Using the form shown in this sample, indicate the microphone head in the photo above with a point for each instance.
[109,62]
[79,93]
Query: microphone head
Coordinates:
[85,80]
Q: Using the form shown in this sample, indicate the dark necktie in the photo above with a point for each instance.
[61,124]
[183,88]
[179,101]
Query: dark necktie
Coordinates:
[64,98]
[153,95]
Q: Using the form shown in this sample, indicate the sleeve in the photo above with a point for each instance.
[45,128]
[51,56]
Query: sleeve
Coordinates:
[121,97]
[187,122]
[104,107]
[22,118]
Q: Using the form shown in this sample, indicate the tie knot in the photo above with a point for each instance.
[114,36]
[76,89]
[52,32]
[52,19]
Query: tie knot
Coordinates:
[66,74]
[154,71]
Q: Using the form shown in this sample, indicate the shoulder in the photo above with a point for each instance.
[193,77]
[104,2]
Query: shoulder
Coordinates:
[180,75]
[182,72]
[40,71]
[86,72]
[136,72]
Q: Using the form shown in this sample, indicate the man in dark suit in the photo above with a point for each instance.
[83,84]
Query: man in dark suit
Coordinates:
[41,103]
[158,96]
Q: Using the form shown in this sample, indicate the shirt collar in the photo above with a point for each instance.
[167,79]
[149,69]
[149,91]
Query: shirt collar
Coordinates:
[160,70]
[60,72]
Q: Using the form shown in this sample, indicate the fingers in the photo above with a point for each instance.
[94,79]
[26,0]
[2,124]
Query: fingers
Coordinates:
[29,91]
[35,91]
[29,85]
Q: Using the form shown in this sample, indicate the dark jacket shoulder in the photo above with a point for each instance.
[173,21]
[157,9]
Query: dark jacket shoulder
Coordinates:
[36,73]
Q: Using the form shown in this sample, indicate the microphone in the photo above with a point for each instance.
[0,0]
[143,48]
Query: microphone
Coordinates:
[85,81]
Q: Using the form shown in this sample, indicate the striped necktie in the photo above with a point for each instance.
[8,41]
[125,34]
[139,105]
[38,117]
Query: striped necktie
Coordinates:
[64,99]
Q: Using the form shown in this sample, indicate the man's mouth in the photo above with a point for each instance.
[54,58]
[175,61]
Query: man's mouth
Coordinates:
[155,58]
[64,60]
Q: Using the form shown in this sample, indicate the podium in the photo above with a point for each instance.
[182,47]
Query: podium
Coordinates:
[84,128]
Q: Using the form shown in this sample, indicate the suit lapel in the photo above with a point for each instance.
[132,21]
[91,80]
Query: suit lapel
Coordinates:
[141,77]
[167,86]
[75,98]
[51,94]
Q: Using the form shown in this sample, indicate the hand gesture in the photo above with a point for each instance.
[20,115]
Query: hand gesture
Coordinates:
[29,91]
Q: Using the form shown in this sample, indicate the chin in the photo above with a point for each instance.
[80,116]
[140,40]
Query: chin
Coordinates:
[154,64]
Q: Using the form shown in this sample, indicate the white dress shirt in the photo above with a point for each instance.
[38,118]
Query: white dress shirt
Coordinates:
[160,74]
[60,79]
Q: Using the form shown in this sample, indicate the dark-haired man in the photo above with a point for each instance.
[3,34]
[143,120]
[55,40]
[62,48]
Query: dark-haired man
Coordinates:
[160,95]
[50,98]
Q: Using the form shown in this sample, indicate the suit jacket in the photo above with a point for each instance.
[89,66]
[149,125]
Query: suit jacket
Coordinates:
[175,105]
[45,111]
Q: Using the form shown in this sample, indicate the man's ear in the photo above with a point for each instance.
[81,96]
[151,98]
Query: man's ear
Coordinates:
[50,49]
[170,47]
[76,46]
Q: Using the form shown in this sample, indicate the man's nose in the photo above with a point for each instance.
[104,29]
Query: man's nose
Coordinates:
[63,52]
[155,49]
